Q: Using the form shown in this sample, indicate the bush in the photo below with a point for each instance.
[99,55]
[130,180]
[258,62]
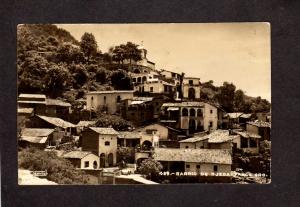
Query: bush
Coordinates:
[114,121]
[59,169]
[150,167]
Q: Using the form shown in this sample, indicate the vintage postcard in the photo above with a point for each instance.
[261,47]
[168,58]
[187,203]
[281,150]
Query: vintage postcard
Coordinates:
[152,104]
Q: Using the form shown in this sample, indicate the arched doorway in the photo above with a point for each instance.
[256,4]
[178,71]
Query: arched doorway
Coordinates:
[144,79]
[185,112]
[192,93]
[146,145]
[102,160]
[192,125]
[192,112]
[110,159]
[137,71]
[95,164]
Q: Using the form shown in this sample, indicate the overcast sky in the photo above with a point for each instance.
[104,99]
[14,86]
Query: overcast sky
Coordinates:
[233,52]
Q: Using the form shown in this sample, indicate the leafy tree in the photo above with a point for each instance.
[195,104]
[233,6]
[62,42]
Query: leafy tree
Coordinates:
[69,53]
[120,80]
[225,96]
[132,52]
[119,54]
[114,121]
[239,100]
[125,154]
[57,80]
[88,45]
[79,74]
[150,167]
[59,169]
[101,75]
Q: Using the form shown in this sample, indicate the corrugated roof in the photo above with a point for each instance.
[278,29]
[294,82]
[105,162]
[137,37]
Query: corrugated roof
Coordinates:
[76,154]
[183,104]
[102,130]
[57,102]
[57,121]
[260,123]
[215,156]
[36,132]
[110,92]
[25,110]
[25,95]
[85,123]
[129,135]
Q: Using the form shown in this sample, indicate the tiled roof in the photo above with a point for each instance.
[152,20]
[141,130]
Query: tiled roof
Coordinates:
[129,135]
[36,132]
[234,115]
[260,123]
[109,92]
[218,136]
[183,104]
[25,110]
[32,102]
[76,154]
[40,96]
[85,123]
[101,130]
[216,156]
[142,98]
[247,134]
[57,102]
[57,121]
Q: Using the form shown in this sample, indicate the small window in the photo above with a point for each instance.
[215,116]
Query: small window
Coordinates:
[198,166]
[185,112]
[134,80]
[211,111]
[191,82]
[215,168]
[210,124]
[186,147]
[118,99]
[86,164]
[104,99]
[151,89]
[107,143]
[187,166]
[173,75]
[95,165]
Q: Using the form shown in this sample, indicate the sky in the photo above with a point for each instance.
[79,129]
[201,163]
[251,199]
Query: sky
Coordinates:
[232,52]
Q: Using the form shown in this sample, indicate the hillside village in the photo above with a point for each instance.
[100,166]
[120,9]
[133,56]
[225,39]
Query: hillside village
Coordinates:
[119,119]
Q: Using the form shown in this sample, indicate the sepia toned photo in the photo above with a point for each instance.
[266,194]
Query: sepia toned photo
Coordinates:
[161,103]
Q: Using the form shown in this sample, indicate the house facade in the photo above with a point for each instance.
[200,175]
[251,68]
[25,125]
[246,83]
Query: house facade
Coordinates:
[190,116]
[36,137]
[102,142]
[260,128]
[246,141]
[83,160]
[108,101]
[191,88]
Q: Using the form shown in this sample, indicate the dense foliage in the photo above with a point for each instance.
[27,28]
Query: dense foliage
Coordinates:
[59,169]
[116,122]
[150,167]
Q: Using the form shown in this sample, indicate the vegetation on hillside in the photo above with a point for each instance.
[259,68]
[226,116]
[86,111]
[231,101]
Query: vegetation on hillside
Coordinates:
[59,170]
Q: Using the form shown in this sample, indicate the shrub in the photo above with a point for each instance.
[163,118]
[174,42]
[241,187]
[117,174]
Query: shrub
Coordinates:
[59,169]
[150,167]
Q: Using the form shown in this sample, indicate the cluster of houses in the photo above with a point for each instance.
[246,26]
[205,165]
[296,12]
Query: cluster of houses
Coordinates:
[180,131]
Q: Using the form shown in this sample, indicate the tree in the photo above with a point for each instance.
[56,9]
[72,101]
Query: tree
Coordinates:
[239,101]
[225,96]
[132,52]
[119,54]
[120,80]
[79,74]
[150,167]
[101,75]
[114,121]
[88,45]
[57,80]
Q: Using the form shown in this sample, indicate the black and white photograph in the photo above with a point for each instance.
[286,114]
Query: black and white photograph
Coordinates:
[146,103]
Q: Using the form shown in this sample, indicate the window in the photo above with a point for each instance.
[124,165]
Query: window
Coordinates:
[199,112]
[191,82]
[186,147]
[192,112]
[185,112]
[210,124]
[134,80]
[95,165]
[187,166]
[151,89]
[104,99]
[215,168]
[211,111]
[86,164]
[92,102]
[166,88]
[198,166]
[118,99]
[107,143]
[253,142]
[244,142]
